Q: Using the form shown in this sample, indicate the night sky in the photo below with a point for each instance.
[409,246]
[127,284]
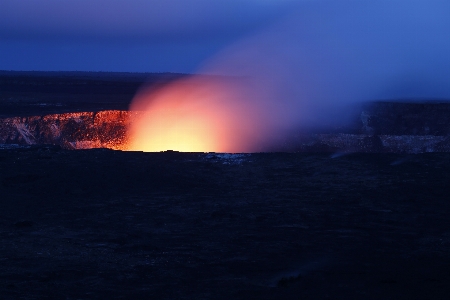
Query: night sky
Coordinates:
[131,35]
[310,51]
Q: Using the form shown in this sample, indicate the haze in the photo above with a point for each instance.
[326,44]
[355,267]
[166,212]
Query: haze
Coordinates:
[307,71]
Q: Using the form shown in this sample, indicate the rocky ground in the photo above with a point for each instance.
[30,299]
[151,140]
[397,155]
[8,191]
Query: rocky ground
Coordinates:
[92,224]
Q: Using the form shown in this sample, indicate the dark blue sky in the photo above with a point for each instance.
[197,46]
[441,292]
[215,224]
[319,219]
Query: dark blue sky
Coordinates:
[320,50]
[127,35]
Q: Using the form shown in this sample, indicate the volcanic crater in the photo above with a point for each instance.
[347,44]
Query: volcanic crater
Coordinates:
[89,110]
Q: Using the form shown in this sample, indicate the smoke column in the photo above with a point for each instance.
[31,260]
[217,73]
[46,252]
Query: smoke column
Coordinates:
[302,73]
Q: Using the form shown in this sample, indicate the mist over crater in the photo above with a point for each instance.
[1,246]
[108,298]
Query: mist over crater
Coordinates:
[304,72]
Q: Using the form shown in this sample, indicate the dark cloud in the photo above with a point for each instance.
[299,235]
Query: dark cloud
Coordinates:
[126,35]
[109,56]
[156,19]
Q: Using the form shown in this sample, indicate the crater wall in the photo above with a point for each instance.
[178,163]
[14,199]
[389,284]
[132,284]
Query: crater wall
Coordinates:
[391,127]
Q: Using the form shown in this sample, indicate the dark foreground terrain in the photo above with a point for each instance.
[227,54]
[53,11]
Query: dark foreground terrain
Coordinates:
[93,224]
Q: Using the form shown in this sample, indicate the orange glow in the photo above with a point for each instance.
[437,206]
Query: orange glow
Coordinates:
[77,130]
[198,114]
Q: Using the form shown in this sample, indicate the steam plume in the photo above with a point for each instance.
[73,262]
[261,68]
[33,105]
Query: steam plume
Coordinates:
[306,71]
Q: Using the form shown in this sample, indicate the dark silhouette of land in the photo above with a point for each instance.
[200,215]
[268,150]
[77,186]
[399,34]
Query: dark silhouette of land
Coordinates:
[40,93]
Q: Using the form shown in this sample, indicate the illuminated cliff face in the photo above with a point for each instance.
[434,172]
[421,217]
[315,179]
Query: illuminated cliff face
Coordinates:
[423,128]
[80,130]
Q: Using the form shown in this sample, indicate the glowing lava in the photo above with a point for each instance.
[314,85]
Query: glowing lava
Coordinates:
[198,114]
